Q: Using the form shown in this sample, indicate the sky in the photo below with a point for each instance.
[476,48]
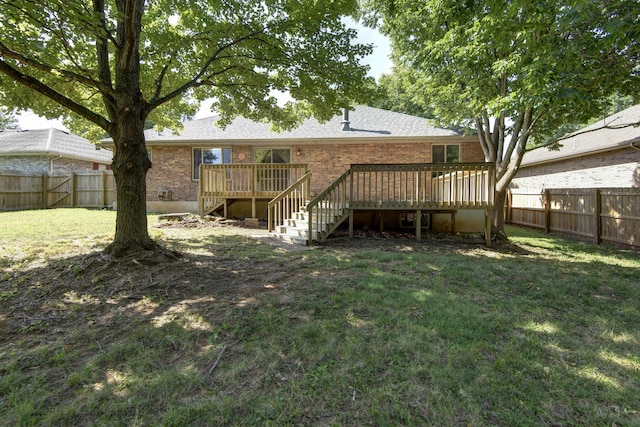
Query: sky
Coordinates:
[378,61]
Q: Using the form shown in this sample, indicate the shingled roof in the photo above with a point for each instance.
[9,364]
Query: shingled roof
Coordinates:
[365,122]
[613,132]
[51,142]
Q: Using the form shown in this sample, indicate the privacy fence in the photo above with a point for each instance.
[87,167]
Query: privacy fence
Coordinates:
[596,214]
[82,190]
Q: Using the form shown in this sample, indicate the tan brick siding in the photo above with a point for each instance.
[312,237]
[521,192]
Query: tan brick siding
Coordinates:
[24,164]
[328,162]
[619,168]
[65,165]
[172,165]
[42,164]
[171,171]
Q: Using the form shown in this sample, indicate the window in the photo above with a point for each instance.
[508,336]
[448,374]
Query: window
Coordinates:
[276,179]
[446,153]
[282,155]
[209,156]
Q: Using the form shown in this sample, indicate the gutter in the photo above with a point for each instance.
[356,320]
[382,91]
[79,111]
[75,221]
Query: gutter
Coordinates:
[619,146]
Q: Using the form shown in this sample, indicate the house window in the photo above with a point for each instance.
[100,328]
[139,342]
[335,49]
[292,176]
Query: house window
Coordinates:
[281,155]
[273,179]
[209,156]
[446,153]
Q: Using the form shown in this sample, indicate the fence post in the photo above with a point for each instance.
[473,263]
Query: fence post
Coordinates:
[597,229]
[104,189]
[45,190]
[73,189]
[547,211]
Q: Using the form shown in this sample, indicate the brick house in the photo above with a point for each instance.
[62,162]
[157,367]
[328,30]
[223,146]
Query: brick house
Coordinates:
[364,135]
[50,151]
[603,155]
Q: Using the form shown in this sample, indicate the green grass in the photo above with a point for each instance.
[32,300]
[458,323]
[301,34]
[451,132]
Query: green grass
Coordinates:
[541,331]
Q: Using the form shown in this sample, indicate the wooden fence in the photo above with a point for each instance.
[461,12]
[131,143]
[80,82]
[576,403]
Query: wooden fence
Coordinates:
[86,190]
[596,214]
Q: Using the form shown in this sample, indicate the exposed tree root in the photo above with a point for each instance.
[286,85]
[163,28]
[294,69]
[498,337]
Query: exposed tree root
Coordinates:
[497,235]
[136,250]
[134,255]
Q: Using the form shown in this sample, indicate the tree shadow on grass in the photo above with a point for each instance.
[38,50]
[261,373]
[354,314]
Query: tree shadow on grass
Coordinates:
[383,332]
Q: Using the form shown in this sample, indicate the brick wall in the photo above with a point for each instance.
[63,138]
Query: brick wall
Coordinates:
[620,168]
[41,164]
[24,164]
[172,165]
[171,170]
[65,165]
[328,161]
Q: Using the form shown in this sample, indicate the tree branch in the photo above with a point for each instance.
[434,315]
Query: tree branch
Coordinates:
[194,82]
[102,56]
[485,143]
[55,96]
[8,53]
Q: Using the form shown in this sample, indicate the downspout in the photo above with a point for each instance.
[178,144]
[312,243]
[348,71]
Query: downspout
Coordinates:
[51,159]
[47,149]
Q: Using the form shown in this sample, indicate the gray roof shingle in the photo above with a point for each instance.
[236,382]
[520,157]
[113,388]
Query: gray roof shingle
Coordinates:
[365,122]
[51,142]
[593,139]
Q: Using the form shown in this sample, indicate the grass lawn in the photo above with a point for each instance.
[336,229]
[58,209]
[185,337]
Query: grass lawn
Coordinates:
[444,332]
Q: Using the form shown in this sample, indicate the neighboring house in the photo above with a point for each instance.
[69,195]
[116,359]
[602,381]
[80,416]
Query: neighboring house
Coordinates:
[50,151]
[603,155]
[365,135]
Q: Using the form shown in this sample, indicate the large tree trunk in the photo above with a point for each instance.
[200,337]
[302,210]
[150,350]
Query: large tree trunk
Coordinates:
[497,215]
[130,165]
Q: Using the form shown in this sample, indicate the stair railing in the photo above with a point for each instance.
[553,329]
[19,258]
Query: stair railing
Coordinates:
[329,208]
[289,201]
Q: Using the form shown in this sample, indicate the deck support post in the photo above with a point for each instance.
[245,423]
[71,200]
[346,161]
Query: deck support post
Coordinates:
[351,223]
[253,207]
[487,228]
[418,224]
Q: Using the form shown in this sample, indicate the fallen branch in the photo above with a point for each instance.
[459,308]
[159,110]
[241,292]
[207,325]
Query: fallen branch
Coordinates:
[215,364]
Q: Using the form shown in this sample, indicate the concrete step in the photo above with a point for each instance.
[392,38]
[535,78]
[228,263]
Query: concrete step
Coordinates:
[296,229]
[296,240]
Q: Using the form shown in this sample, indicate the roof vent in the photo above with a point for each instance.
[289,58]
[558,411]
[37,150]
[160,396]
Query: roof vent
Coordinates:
[345,120]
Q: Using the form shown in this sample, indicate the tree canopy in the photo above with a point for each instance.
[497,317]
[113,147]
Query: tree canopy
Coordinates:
[113,64]
[514,69]
[393,92]
[7,118]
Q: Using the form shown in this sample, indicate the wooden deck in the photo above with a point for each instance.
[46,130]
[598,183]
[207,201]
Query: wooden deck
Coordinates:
[220,184]
[419,188]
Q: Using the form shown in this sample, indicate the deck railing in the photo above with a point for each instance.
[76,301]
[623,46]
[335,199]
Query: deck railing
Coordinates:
[219,183]
[329,208]
[424,186]
[291,200]
[420,187]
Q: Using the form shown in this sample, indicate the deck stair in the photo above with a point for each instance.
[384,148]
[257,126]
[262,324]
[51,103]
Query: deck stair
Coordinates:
[296,228]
